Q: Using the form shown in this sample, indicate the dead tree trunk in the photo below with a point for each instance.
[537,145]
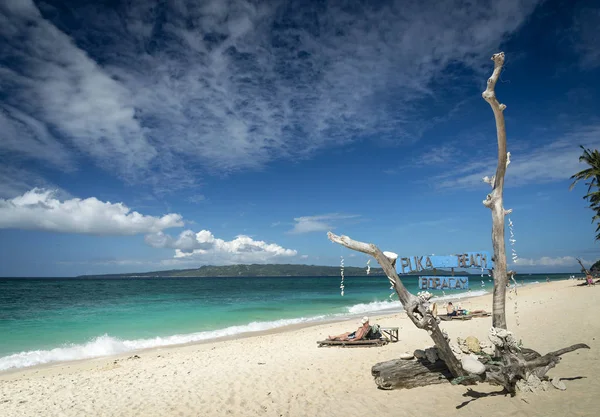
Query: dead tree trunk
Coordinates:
[399,373]
[583,268]
[513,363]
[494,199]
[417,309]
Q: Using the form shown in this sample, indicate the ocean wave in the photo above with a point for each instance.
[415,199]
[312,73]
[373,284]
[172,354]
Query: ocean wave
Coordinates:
[106,345]
[375,306]
[389,305]
[454,296]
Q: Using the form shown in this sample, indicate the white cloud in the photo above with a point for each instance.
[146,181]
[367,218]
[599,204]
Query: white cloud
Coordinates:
[151,87]
[56,85]
[557,160]
[206,247]
[110,261]
[549,261]
[319,223]
[196,198]
[15,181]
[39,209]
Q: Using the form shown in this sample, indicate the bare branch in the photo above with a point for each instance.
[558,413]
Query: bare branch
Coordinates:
[489,180]
[488,201]
[385,262]
[490,96]
[416,309]
[543,364]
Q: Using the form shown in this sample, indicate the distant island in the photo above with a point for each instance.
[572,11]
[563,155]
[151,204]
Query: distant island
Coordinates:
[265,270]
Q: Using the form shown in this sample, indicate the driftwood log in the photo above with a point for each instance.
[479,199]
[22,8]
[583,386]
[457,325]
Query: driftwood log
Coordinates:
[511,363]
[400,373]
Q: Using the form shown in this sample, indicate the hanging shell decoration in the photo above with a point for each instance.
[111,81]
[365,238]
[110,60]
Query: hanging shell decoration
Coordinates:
[342,274]
[392,257]
[512,240]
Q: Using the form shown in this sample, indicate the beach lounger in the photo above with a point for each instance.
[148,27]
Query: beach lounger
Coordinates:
[469,316]
[353,343]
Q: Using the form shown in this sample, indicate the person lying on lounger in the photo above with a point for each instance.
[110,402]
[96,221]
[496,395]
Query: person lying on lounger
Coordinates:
[451,310]
[460,312]
[359,334]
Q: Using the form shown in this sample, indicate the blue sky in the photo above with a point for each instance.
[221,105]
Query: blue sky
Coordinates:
[148,135]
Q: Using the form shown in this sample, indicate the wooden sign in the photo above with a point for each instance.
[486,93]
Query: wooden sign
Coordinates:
[480,260]
[444,283]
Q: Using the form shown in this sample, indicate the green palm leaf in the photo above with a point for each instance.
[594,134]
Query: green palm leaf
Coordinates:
[591,176]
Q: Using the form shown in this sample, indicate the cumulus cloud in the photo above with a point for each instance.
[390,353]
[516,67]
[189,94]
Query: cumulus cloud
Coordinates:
[228,85]
[318,223]
[204,246]
[39,209]
[549,261]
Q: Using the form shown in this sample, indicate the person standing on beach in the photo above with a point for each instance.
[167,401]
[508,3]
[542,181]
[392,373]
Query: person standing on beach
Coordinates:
[359,334]
[589,279]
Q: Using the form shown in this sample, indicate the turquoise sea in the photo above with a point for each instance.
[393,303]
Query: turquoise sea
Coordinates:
[57,319]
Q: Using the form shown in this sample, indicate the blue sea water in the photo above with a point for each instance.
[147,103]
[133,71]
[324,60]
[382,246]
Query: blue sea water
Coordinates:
[57,319]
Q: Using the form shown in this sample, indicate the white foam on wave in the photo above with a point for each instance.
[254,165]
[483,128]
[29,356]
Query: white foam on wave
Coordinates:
[108,345]
[377,306]
[374,307]
[460,295]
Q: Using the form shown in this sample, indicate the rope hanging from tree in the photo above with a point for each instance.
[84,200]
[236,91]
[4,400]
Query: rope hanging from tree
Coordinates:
[392,257]
[512,241]
[342,274]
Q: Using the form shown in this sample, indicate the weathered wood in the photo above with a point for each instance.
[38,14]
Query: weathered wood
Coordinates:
[353,343]
[416,308]
[399,373]
[390,333]
[511,363]
[494,199]
[583,268]
[403,374]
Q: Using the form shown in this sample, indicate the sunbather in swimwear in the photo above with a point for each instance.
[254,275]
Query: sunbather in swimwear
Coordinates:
[359,334]
[450,309]
[589,279]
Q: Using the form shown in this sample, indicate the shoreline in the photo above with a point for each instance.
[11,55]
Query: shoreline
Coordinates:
[464,299]
[284,373]
[248,334]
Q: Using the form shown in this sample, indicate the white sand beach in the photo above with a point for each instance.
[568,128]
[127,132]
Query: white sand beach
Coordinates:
[286,374]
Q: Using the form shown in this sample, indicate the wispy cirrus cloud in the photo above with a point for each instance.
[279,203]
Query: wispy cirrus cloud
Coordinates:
[320,223]
[228,85]
[552,261]
[15,180]
[39,209]
[586,37]
[557,160]
[54,85]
